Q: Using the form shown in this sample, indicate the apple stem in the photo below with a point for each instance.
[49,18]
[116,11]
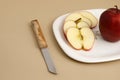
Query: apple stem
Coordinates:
[78,20]
[116,8]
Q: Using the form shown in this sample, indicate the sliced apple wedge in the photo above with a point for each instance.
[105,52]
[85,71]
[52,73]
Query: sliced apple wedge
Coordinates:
[80,39]
[91,17]
[87,21]
[74,38]
[77,17]
[73,16]
[88,38]
[77,29]
[68,24]
[82,24]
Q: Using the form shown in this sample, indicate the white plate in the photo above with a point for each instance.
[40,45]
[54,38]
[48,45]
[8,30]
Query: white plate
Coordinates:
[102,50]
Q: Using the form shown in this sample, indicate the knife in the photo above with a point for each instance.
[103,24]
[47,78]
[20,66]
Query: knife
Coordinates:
[43,46]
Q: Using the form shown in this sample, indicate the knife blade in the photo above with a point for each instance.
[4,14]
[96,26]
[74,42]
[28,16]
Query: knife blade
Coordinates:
[43,46]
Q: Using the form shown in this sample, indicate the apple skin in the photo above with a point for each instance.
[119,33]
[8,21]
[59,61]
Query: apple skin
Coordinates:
[109,24]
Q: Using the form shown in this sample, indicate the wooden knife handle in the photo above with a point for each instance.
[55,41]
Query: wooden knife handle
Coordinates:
[38,33]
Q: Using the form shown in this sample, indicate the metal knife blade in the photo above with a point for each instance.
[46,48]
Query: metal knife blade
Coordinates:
[47,58]
[43,46]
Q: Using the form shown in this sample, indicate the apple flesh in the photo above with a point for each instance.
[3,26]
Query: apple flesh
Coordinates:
[77,29]
[73,16]
[91,17]
[74,38]
[88,38]
[81,38]
[109,24]
[77,17]
[82,24]
[68,24]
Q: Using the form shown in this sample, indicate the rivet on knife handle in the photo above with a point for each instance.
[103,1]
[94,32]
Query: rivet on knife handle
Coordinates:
[38,32]
[43,46]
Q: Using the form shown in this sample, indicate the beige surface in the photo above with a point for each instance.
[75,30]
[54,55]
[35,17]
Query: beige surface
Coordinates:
[20,58]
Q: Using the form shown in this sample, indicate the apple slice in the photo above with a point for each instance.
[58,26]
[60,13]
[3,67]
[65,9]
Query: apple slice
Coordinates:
[88,38]
[74,38]
[77,17]
[87,21]
[82,24]
[81,39]
[68,24]
[73,16]
[91,17]
[77,29]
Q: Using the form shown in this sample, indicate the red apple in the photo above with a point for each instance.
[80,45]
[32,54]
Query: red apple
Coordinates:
[109,24]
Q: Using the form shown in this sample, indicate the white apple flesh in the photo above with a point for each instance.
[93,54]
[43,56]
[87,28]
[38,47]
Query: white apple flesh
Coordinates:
[82,24]
[91,17]
[78,30]
[88,38]
[74,38]
[81,39]
[73,17]
[84,19]
[68,24]
[77,17]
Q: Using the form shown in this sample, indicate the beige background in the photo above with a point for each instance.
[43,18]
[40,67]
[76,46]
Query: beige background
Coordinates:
[20,58]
